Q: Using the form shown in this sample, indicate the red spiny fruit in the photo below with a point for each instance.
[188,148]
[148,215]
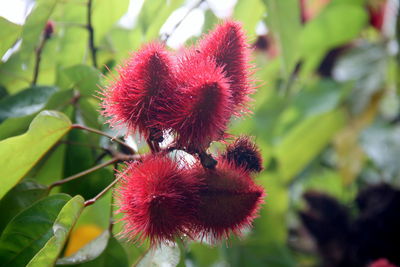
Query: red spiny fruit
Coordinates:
[144,90]
[157,198]
[228,46]
[205,103]
[382,263]
[244,153]
[229,201]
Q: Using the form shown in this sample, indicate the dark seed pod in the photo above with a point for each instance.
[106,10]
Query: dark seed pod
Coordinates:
[244,153]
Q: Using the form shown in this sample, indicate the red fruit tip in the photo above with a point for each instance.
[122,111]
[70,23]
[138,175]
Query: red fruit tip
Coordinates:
[228,46]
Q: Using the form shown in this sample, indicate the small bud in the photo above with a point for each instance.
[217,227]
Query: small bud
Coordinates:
[376,10]
[48,29]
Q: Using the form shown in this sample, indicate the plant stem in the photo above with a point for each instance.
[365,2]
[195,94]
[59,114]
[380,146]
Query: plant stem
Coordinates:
[157,146]
[93,200]
[93,49]
[38,58]
[182,247]
[168,35]
[76,176]
[151,145]
[78,126]
[207,160]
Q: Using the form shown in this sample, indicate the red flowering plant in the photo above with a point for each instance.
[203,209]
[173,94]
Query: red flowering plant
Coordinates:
[191,97]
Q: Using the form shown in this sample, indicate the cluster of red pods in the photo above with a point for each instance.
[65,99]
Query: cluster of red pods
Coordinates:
[191,95]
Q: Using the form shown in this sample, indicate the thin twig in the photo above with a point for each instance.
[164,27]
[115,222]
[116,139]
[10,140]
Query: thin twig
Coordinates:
[111,220]
[168,35]
[93,49]
[82,127]
[93,200]
[76,176]
[118,157]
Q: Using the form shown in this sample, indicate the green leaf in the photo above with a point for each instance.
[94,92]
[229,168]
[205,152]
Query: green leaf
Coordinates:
[51,167]
[249,19]
[73,46]
[160,256]
[210,20]
[327,181]
[3,92]
[26,102]
[123,41]
[20,153]
[381,146]
[327,31]
[84,78]
[114,255]
[306,140]
[78,159]
[89,252]
[105,15]
[151,24]
[283,18]
[16,126]
[19,198]
[29,231]
[8,34]
[367,66]
[34,25]
[202,254]
[98,215]
[352,2]
[318,98]
[66,219]
[89,112]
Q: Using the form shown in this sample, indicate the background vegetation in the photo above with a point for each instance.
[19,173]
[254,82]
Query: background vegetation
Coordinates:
[325,117]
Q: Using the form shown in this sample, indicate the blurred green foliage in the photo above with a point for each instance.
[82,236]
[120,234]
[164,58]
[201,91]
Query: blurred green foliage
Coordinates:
[326,117]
